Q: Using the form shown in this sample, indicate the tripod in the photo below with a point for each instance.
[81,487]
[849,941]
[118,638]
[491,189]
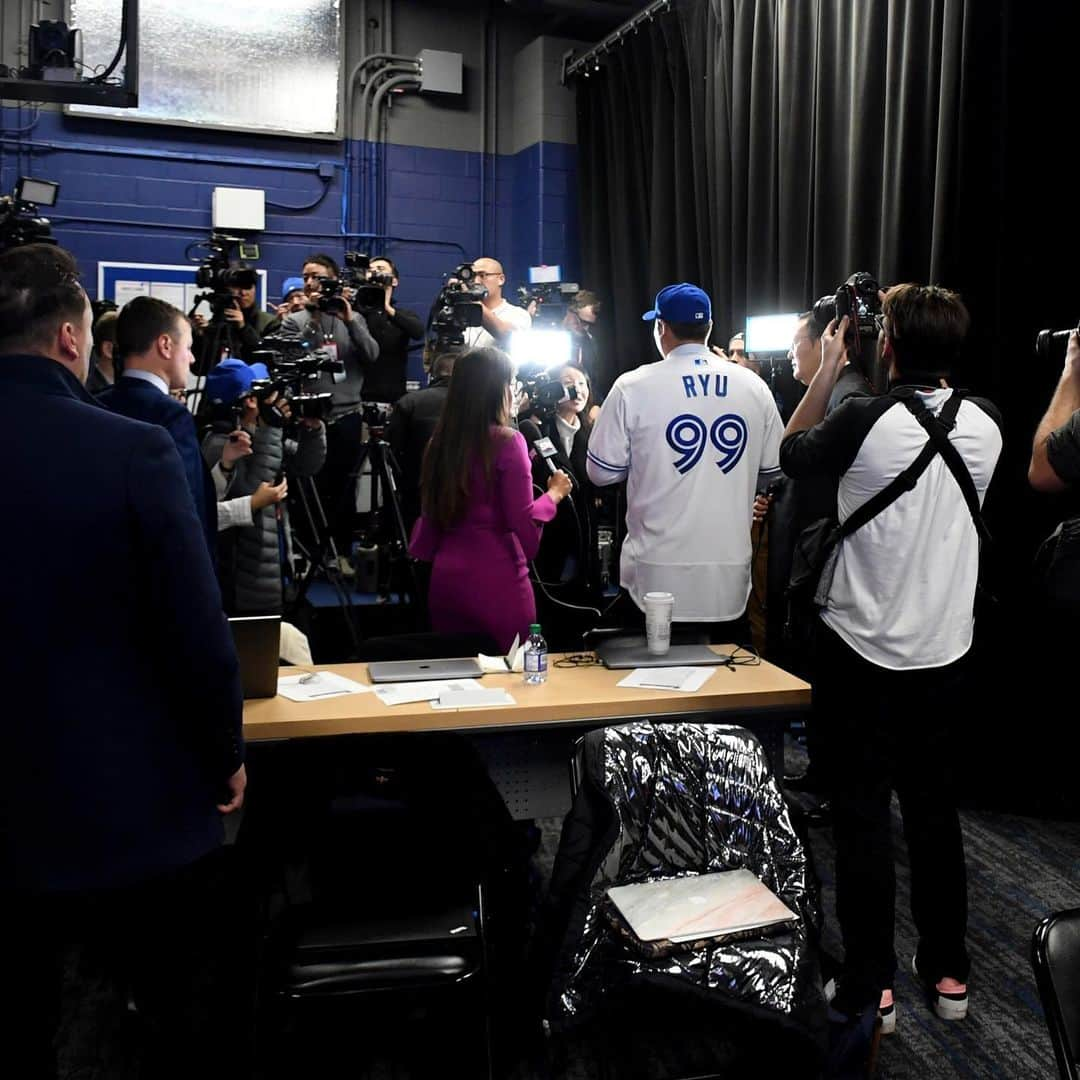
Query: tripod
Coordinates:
[219,335]
[376,451]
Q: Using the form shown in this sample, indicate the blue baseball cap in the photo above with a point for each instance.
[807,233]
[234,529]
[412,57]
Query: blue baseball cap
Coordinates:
[232,379]
[291,285]
[682,303]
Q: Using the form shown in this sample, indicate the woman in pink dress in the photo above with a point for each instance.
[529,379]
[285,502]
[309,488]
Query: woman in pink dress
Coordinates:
[481,522]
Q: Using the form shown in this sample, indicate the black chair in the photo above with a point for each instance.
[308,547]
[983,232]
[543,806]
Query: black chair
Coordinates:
[387,849]
[1055,957]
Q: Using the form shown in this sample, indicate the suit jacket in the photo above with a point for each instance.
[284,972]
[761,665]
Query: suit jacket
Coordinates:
[122,716]
[570,533]
[139,400]
[411,425]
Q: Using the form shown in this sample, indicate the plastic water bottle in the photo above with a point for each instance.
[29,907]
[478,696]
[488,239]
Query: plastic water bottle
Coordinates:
[536,653]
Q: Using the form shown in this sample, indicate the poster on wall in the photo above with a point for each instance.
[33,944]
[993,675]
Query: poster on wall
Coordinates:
[175,284]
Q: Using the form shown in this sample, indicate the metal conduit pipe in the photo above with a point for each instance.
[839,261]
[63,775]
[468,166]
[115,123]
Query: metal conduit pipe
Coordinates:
[373,121]
[376,80]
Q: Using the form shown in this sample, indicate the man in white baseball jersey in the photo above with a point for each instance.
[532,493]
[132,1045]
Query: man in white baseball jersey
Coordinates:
[695,437]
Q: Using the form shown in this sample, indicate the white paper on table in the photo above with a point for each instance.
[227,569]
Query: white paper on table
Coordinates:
[427,690]
[483,698]
[687,679]
[324,684]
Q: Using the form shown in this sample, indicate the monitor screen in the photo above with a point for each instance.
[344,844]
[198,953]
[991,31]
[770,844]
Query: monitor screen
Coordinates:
[39,192]
[770,333]
[543,275]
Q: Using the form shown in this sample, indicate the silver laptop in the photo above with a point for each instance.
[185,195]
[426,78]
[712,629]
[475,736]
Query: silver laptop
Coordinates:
[463,667]
[621,654]
[702,906]
[258,647]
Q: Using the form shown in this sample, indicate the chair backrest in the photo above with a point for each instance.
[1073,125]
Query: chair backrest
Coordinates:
[1055,957]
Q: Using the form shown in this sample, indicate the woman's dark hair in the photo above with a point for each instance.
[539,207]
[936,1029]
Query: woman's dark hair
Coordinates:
[476,401]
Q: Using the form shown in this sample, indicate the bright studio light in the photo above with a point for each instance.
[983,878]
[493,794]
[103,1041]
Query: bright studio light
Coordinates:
[546,349]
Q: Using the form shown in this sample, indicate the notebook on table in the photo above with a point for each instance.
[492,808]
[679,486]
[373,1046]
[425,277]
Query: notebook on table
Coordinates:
[726,905]
[393,671]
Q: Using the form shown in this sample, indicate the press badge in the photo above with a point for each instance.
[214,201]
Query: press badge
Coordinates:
[331,350]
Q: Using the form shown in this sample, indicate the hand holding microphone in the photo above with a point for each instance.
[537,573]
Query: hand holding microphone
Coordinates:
[559,485]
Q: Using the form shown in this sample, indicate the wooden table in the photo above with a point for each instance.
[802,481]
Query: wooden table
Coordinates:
[527,744]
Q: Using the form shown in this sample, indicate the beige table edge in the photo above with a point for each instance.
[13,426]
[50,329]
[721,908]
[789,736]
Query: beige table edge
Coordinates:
[570,696]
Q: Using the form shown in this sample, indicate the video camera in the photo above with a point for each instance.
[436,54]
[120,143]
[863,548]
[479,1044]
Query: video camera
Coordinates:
[858,299]
[545,392]
[552,299]
[217,273]
[457,307]
[293,365]
[19,223]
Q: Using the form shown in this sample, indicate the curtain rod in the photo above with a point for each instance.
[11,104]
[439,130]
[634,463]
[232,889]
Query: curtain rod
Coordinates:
[590,61]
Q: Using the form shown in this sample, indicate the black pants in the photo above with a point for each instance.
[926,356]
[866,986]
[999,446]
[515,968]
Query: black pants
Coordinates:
[626,614]
[890,731]
[181,948]
[337,487]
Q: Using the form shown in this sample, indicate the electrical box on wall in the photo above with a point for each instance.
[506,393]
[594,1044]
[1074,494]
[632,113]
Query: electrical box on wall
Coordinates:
[440,72]
[243,209]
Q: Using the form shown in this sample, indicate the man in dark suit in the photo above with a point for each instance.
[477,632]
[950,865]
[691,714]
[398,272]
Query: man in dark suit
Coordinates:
[120,739]
[153,341]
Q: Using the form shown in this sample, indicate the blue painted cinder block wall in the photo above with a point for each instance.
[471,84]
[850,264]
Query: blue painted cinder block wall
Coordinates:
[142,193]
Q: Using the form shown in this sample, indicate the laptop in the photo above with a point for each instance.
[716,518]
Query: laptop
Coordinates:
[258,646]
[724,904]
[620,653]
[392,671]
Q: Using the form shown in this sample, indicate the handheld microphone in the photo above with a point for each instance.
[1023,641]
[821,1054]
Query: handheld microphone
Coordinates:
[546,449]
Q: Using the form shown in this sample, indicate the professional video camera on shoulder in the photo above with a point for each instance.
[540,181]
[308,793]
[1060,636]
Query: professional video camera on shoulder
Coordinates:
[367,286]
[19,221]
[858,299]
[551,295]
[457,307]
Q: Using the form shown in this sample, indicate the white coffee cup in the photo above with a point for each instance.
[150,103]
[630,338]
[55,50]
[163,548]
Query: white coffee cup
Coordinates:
[658,609]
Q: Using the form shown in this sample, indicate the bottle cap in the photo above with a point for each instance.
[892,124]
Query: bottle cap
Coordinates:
[534,628]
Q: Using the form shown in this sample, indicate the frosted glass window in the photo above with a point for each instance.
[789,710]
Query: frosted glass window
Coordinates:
[271,66]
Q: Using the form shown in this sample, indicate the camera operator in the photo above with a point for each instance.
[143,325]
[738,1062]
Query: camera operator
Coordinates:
[500,317]
[1055,454]
[250,563]
[581,316]
[392,327]
[694,438]
[565,553]
[248,322]
[331,322]
[154,346]
[412,423]
[893,634]
[102,372]
[110,840]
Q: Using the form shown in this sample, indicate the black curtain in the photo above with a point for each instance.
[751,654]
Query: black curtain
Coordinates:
[767,149]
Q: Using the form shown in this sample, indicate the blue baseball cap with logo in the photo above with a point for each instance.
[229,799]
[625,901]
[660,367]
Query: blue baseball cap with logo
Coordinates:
[232,379]
[682,303]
